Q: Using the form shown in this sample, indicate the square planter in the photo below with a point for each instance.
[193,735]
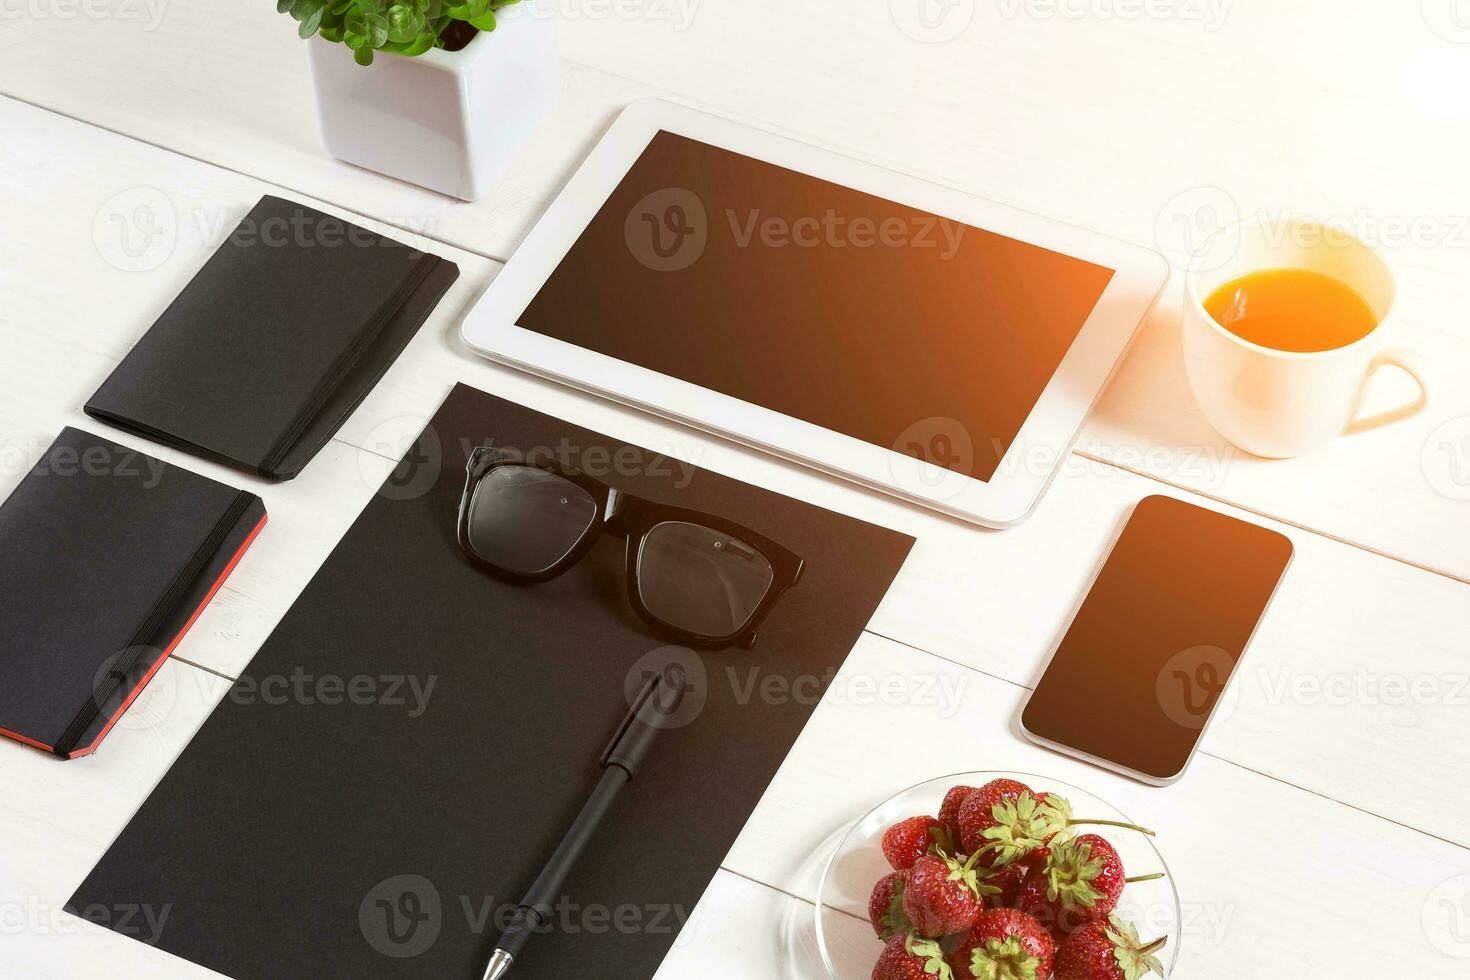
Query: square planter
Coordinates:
[447,120]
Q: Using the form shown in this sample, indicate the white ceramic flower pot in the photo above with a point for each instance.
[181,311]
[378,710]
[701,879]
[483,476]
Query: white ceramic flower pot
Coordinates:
[447,120]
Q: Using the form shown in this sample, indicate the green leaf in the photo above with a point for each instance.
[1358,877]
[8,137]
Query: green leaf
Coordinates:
[310,24]
[406,27]
[420,44]
[404,23]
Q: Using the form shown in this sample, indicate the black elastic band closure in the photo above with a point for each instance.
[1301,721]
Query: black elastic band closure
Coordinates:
[104,690]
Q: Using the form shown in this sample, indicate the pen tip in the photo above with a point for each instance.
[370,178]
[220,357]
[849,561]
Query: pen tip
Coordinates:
[499,965]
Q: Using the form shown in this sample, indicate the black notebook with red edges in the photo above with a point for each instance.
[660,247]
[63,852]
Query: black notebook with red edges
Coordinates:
[107,556]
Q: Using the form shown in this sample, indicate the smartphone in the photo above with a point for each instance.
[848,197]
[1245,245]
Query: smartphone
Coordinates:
[1149,653]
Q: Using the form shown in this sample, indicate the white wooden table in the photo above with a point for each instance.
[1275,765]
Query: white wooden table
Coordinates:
[1324,830]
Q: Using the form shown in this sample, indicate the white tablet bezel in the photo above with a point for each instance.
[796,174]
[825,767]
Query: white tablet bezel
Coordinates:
[1031,461]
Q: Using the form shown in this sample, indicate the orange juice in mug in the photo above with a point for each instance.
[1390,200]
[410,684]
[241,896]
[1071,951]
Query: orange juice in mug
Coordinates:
[1283,326]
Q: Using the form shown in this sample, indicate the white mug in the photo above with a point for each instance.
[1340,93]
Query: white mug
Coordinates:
[1277,403]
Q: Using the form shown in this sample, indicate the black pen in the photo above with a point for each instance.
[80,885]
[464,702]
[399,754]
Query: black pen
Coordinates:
[658,699]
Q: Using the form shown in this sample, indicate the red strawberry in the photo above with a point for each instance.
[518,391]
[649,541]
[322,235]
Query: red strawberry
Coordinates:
[1108,951]
[977,812]
[1025,828]
[885,908]
[1004,945]
[949,810]
[908,840]
[943,896]
[911,957]
[1080,882]
[1014,829]
[1007,882]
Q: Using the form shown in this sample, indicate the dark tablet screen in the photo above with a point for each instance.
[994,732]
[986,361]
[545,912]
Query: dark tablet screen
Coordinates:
[876,320]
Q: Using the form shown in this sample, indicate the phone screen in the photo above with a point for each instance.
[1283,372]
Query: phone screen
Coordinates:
[1146,659]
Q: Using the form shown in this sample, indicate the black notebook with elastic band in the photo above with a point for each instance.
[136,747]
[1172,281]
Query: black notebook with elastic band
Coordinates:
[275,341]
[107,556]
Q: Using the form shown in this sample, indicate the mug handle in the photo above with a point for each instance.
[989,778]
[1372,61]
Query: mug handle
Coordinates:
[1406,361]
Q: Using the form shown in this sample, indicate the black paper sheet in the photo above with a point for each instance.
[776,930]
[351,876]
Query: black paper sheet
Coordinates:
[407,748]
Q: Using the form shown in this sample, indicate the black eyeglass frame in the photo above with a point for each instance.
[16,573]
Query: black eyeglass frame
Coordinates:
[634,517]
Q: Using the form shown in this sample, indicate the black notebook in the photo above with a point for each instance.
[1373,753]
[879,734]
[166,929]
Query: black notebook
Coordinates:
[275,341]
[106,557]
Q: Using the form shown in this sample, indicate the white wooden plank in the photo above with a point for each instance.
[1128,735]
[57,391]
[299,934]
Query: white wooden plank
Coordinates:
[994,601]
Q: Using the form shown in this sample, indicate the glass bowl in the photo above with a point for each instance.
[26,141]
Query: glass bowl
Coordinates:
[845,938]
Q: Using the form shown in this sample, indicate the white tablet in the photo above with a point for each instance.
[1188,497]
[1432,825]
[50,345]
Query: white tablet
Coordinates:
[902,334]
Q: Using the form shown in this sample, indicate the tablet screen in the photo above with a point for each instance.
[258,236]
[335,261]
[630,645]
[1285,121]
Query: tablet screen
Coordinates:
[817,301]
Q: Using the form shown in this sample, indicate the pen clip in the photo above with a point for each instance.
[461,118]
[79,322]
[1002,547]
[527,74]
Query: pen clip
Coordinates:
[628,720]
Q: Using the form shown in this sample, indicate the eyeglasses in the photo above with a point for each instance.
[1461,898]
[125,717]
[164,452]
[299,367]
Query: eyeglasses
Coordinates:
[694,576]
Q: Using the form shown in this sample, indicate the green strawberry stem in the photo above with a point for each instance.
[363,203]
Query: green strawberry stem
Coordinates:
[1111,823]
[1155,946]
[1153,877]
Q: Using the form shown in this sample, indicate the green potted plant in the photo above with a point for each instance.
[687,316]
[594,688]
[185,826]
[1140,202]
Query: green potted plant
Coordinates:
[437,93]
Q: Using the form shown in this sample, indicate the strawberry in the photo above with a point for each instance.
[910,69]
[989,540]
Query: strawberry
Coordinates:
[908,840]
[911,957]
[1108,951]
[885,908]
[1015,828]
[943,896]
[1007,882]
[949,810]
[1080,882]
[1004,945]
[976,814]
[1024,828]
